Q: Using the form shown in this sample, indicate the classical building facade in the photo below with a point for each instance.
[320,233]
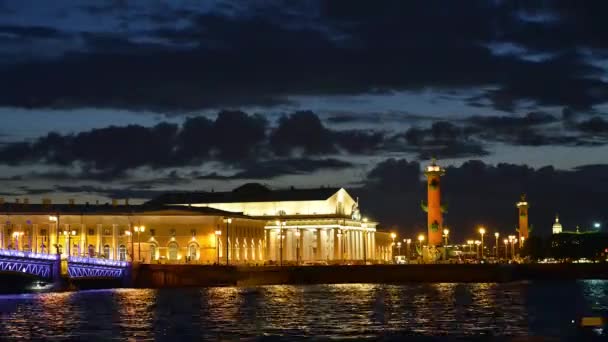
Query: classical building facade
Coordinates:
[250,225]
[300,225]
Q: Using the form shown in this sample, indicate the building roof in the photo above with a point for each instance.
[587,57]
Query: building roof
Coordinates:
[251,192]
[107,209]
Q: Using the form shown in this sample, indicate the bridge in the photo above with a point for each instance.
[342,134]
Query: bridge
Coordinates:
[48,266]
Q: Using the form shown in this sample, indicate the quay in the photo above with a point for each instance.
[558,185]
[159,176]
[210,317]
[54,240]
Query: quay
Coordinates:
[160,276]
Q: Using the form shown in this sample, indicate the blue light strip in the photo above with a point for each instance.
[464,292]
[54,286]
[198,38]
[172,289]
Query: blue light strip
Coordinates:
[30,255]
[97,261]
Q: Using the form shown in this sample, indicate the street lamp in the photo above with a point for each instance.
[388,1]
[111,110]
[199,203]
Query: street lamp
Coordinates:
[138,230]
[217,244]
[298,234]
[506,241]
[128,234]
[68,235]
[597,225]
[55,219]
[227,221]
[482,231]
[477,243]
[407,251]
[470,243]
[512,240]
[393,236]
[420,240]
[446,232]
[398,248]
[16,236]
[496,235]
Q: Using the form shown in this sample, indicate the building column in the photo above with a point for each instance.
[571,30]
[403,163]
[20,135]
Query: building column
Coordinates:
[114,248]
[34,238]
[319,254]
[82,240]
[98,232]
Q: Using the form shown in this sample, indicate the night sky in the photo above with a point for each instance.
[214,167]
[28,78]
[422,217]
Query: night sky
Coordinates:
[116,99]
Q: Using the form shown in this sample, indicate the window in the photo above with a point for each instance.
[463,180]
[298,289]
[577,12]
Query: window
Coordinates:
[153,252]
[192,251]
[91,252]
[173,248]
[106,251]
[91,231]
[152,232]
[106,231]
[122,253]
[193,232]
[172,232]
[42,232]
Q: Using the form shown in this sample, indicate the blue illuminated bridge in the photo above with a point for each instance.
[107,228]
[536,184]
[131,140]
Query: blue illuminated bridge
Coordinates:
[49,266]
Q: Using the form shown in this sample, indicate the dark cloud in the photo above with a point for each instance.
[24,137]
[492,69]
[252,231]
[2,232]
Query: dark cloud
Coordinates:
[594,126]
[108,152]
[481,194]
[280,167]
[442,140]
[324,48]
[109,192]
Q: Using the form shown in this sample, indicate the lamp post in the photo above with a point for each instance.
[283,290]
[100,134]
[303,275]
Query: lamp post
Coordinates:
[512,241]
[446,232]
[482,231]
[506,241]
[68,235]
[408,242]
[398,248]
[393,236]
[496,235]
[16,236]
[217,244]
[477,243]
[420,240]
[138,230]
[227,221]
[470,243]
[298,234]
[55,218]
[129,235]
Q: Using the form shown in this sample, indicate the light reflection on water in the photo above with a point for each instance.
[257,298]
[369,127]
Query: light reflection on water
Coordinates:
[343,311]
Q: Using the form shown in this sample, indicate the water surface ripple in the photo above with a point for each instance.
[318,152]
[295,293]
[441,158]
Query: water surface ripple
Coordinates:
[354,311]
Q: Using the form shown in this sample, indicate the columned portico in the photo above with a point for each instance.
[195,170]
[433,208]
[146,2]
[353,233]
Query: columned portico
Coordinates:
[320,240]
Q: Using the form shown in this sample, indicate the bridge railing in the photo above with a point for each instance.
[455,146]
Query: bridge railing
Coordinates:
[98,261]
[30,255]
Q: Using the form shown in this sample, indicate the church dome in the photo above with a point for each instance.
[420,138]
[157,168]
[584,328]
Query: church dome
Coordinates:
[557,227]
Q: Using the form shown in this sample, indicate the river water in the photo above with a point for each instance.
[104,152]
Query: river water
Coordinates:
[353,311]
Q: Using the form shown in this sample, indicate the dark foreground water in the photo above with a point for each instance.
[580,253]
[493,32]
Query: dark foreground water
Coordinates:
[289,312]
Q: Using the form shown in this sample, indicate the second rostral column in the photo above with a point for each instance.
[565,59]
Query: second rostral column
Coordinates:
[433,208]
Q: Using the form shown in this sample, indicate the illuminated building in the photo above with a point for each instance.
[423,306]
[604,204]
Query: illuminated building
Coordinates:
[300,225]
[557,227]
[522,205]
[244,226]
[433,208]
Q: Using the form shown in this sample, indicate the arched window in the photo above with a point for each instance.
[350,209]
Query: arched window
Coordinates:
[173,249]
[153,249]
[106,251]
[192,251]
[122,253]
[91,252]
